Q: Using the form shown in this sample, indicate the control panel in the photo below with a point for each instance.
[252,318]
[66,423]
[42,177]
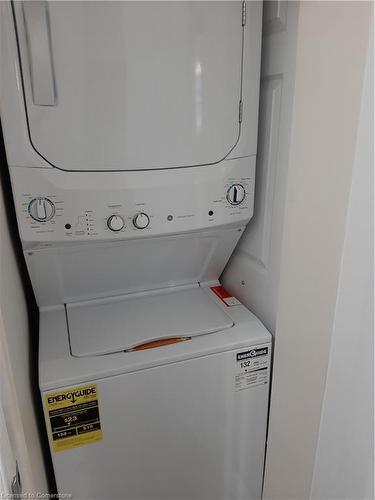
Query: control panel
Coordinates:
[57,206]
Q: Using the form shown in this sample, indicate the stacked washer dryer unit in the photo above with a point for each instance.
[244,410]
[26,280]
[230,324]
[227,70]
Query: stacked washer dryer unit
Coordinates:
[130,131]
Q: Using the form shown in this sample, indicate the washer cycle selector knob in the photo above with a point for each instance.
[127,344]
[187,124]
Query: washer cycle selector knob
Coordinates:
[41,209]
[115,223]
[236,194]
[141,220]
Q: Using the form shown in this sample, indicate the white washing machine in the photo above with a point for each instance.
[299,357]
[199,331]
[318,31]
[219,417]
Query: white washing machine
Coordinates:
[181,421]
[130,131]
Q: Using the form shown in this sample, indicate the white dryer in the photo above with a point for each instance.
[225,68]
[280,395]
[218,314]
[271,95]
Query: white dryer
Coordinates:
[130,131]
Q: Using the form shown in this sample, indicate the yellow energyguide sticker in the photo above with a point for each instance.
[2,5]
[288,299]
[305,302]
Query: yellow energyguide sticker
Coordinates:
[74,417]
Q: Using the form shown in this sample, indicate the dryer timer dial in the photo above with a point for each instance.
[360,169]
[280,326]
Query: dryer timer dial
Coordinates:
[236,194]
[41,209]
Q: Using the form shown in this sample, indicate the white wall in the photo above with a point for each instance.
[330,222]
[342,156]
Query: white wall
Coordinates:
[253,272]
[332,44]
[16,394]
[344,460]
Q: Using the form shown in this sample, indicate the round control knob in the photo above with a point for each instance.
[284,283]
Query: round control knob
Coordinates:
[115,223]
[236,194]
[141,220]
[41,209]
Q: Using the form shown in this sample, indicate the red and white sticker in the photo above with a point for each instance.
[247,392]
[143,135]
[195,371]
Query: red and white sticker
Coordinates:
[225,296]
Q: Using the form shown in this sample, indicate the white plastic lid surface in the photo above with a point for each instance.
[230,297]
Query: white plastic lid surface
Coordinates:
[120,323]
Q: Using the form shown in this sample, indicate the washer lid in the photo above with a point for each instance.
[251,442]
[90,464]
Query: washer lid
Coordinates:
[121,323]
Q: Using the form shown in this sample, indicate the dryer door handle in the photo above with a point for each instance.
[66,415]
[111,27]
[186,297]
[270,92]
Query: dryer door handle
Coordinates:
[40,55]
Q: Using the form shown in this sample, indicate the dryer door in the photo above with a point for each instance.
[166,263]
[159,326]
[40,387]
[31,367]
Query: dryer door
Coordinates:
[131,85]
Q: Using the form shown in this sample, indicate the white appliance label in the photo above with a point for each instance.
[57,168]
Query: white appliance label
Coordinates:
[252,367]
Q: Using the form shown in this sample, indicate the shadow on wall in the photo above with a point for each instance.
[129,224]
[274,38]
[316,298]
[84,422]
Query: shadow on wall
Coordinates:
[32,310]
